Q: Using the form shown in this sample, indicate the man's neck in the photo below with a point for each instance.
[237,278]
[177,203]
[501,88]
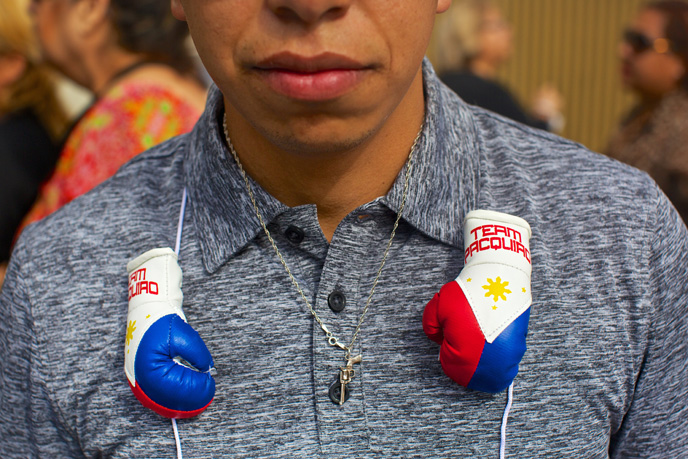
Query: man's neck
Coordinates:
[337,182]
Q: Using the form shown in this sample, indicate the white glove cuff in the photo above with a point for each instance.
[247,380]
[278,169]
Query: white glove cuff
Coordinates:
[155,290]
[496,273]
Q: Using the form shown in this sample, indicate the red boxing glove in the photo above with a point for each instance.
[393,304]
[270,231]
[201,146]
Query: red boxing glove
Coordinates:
[480,319]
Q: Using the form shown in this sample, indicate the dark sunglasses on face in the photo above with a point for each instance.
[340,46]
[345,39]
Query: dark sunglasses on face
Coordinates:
[640,43]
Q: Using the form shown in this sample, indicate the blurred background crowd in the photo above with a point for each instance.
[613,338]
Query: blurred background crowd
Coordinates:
[610,75]
[85,85]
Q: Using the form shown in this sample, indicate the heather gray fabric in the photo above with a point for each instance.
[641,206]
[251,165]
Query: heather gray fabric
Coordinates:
[605,373]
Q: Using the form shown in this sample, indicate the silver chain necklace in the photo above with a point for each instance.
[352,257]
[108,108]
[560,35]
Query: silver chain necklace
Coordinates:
[339,392]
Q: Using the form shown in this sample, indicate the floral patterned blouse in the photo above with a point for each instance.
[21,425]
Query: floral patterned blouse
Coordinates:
[129,119]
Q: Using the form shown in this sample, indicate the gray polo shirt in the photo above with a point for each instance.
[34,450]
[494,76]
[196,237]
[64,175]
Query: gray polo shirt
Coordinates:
[605,373]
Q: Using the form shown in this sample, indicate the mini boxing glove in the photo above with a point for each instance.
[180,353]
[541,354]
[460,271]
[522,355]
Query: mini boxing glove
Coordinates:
[166,362]
[480,319]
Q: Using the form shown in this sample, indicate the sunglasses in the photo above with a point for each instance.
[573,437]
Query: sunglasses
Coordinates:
[640,43]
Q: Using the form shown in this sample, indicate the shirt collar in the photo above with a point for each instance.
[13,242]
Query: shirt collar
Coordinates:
[443,186]
[225,219]
[445,180]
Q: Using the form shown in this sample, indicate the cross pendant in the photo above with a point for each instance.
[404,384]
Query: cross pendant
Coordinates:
[339,392]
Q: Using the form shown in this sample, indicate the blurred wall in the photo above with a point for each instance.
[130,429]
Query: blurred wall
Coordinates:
[571,44]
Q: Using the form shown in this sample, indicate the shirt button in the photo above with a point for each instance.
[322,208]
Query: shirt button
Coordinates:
[336,301]
[294,234]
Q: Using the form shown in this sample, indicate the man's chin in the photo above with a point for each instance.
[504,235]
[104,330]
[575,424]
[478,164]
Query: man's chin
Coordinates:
[319,142]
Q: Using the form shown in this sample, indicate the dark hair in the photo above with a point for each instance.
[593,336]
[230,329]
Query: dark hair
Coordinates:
[148,27]
[675,30]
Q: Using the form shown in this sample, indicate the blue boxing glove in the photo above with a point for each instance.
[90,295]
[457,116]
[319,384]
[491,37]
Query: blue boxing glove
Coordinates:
[166,362]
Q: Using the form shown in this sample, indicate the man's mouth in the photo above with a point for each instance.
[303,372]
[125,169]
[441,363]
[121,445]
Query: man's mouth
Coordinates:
[322,77]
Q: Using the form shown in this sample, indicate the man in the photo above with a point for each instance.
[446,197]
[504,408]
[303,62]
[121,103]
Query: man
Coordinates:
[323,102]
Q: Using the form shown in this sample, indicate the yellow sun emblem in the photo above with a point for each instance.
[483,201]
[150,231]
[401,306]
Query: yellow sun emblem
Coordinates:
[130,331]
[496,289]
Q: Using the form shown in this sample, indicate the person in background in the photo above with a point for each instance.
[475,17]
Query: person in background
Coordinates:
[654,134]
[473,41]
[31,122]
[133,55]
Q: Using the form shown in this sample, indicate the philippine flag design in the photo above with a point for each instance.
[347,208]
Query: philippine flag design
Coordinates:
[167,364]
[480,319]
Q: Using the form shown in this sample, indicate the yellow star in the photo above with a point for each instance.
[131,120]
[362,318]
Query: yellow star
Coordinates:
[130,331]
[469,279]
[497,289]
[524,289]
[494,308]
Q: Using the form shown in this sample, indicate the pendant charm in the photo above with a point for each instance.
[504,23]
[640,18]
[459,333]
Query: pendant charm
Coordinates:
[336,392]
[339,390]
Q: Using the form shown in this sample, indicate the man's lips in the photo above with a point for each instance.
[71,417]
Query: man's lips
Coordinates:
[308,64]
[319,78]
